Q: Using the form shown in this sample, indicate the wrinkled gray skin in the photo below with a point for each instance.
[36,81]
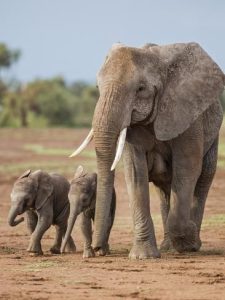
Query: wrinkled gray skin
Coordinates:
[44,198]
[167,97]
[82,197]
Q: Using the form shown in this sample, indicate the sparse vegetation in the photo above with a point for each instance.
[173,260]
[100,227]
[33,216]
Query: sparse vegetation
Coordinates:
[43,102]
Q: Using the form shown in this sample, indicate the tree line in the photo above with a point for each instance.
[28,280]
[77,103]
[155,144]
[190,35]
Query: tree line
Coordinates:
[45,102]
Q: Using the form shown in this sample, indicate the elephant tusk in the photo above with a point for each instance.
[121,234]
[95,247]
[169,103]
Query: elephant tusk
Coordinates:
[84,144]
[119,150]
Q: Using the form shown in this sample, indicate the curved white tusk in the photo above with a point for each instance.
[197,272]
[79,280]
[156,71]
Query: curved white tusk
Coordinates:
[84,144]
[119,150]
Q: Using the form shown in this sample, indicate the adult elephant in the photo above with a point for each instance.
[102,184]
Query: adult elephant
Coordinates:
[164,101]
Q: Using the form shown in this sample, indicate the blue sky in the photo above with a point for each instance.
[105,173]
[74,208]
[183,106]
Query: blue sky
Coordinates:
[71,38]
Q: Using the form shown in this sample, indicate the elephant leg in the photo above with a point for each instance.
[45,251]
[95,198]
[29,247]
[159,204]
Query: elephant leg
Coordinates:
[86,228]
[31,218]
[106,249]
[60,231]
[164,195]
[203,185]
[136,175]
[44,222]
[70,246]
[187,166]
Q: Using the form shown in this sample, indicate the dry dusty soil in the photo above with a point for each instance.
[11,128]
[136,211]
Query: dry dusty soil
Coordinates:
[175,276]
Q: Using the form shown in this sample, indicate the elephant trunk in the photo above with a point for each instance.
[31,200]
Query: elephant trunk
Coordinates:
[12,216]
[71,221]
[105,145]
[109,119]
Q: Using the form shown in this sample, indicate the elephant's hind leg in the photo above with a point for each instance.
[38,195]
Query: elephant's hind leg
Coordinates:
[164,195]
[136,174]
[187,167]
[70,246]
[55,249]
[203,185]
[60,232]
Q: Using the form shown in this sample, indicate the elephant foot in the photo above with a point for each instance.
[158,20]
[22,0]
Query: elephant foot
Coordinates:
[71,247]
[88,253]
[35,254]
[198,243]
[34,251]
[55,249]
[189,241]
[143,250]
[166,245]
[104,251]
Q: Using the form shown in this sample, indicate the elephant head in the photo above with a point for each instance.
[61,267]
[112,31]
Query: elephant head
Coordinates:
[81,197]
[165,88]
[30,191]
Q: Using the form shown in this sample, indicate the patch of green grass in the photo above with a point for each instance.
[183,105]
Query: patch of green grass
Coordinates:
[41,150]
[6,250]
[36,267]
[221,163]
[222,149]
[221,155]
[157,219]
[213,221]
[49,166]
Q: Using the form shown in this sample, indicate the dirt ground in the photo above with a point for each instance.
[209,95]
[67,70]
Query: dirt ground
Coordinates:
[175,276]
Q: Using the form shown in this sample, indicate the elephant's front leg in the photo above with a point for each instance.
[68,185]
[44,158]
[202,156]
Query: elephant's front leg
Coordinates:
[136,175]
[44,222]
[32,219]
[86,229]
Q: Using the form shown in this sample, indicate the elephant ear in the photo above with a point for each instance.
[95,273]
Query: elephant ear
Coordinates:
[80,172]
[194,82]
[45,188]
[148,45]
[25,174]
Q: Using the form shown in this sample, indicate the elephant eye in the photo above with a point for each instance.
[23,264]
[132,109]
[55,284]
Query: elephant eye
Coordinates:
[141,88]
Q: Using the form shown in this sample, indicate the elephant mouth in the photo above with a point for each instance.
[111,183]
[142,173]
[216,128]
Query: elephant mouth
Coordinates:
[140,119]
[145,118]
[119,151]
[23,209]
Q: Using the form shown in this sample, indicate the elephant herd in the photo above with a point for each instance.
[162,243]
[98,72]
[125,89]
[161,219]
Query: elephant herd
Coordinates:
[159,109]
[49,199]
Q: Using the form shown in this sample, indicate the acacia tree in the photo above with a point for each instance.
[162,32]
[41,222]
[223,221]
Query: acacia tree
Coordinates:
[8,56]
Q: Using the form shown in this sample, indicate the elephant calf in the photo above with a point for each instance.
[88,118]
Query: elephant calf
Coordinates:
[82,197]
[44,198]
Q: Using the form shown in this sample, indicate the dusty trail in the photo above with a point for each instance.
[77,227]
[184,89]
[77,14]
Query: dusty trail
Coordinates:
[188,276]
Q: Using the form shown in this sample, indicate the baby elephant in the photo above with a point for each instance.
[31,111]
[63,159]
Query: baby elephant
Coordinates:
[44,198]
[82,197]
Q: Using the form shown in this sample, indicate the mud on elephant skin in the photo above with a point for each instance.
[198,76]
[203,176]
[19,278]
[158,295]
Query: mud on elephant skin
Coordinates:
[44,199]
[82,197]
[161,104]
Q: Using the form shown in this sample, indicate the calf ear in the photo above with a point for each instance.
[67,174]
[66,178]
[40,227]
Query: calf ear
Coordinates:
[25,174]
[45,188]
[80,172]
